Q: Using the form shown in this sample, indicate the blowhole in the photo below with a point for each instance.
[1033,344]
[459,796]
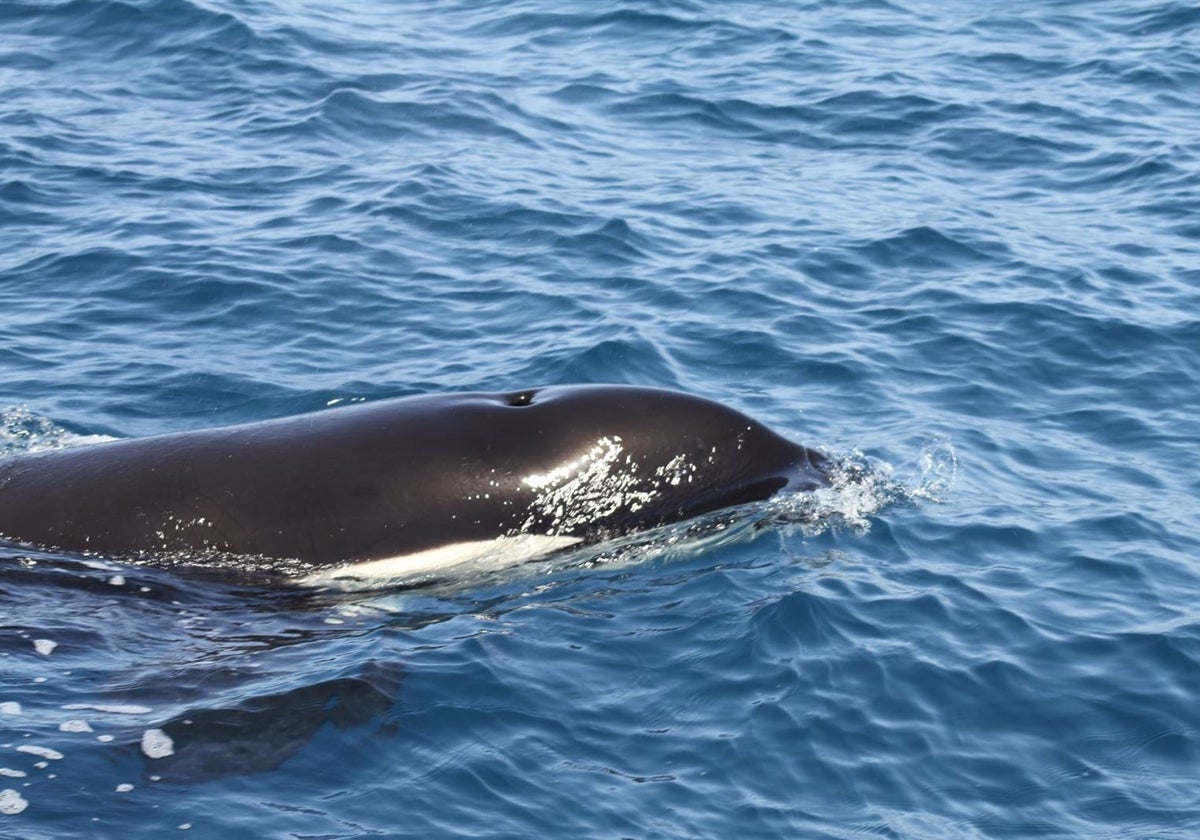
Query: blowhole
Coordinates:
[520,398]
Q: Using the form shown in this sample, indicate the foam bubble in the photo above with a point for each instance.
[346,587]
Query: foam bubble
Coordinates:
[12,802]
[112,709]
[41,752]
[157,744]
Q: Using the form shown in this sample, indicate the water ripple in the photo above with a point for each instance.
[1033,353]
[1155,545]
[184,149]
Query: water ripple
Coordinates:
[953,247]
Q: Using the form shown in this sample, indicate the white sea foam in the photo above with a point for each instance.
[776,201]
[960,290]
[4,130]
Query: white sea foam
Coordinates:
[12,802]
[41,752]
[157,744]
[109,708]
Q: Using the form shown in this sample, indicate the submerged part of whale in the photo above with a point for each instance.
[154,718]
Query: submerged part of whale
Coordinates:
[408,485]
[260,732]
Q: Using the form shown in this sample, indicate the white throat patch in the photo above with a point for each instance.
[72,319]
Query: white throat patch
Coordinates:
[474,556]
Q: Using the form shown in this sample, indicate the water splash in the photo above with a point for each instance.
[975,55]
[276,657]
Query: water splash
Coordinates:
[861,486]
[23,431]
[938,472]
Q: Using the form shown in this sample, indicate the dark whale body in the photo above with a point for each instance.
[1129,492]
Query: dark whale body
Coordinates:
[409,477]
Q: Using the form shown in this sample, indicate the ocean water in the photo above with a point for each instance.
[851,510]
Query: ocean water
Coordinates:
[955,243]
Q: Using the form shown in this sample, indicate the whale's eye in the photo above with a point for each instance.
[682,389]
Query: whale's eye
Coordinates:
[520,398]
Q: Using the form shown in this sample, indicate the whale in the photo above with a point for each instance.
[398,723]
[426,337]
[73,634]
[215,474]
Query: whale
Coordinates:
[408,485]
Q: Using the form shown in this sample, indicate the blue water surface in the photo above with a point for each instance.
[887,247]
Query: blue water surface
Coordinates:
[958,243]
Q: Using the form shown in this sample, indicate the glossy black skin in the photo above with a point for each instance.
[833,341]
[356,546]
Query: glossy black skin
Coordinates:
[392,477]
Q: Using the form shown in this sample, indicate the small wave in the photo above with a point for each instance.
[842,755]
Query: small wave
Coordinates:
[23,431]
[927,247]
